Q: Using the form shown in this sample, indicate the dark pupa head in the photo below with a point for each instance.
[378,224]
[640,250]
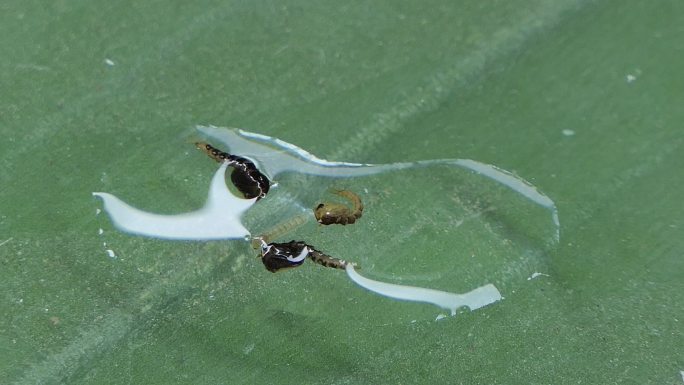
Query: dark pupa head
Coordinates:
[250,182]
[278,256]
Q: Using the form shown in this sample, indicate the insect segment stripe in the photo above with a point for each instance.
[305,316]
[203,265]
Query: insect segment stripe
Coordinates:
[335,213]
[326,260]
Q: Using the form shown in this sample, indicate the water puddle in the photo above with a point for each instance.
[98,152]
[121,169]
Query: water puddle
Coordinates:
[218,219]
[480,225]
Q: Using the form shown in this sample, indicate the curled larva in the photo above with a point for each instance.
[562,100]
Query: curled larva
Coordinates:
[330,213]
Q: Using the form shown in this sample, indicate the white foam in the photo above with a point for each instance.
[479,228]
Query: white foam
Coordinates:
[474,299]
[218,219]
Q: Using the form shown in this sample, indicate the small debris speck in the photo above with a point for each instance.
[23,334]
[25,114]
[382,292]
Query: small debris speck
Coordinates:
[5,241]
[100,231]
[110,62]
[535,275]
[568,132]
[631,78]
[111,254]
[441,316]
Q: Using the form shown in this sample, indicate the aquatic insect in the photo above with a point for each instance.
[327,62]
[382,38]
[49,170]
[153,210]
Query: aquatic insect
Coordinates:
[245,176]
[221,217]
[278,256]
[280,229]
[335,213]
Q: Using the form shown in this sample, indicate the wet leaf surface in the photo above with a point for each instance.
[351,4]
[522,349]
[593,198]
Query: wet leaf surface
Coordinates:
[580,98]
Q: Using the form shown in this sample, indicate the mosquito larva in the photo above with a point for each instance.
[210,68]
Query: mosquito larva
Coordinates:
[330,213]
[278,256]
[280,229]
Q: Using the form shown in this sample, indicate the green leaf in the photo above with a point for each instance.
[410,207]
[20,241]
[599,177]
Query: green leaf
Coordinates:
[582,98]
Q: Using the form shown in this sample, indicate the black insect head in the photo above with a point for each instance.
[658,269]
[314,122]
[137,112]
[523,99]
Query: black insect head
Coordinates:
[277,256]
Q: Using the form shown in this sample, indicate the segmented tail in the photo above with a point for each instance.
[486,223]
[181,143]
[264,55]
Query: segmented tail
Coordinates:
[214,153]
[328,261]
[283,228]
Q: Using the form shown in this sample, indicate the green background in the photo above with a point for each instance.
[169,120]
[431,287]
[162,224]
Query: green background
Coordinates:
[495,81]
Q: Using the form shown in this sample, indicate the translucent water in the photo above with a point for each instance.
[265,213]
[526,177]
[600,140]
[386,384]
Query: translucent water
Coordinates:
[487,224]
[275,156]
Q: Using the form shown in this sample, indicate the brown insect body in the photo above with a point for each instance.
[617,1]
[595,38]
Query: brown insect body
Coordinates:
[336,213]
[245,176]
[326,260]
